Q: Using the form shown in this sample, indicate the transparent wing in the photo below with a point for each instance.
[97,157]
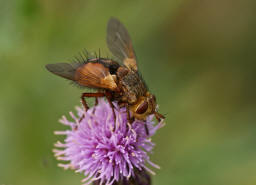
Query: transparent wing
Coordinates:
[120,44]
[64,70]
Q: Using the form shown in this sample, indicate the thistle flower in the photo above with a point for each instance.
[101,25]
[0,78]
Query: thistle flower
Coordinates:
[141,177]
[105,150]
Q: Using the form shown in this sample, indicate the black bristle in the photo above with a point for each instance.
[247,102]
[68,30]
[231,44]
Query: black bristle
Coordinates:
[99,53]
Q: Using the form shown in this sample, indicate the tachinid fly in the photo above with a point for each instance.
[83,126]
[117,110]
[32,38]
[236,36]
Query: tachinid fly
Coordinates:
[116,80]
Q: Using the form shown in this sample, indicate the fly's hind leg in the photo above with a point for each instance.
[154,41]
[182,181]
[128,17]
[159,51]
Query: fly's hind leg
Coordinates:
[95,95]
[84,95]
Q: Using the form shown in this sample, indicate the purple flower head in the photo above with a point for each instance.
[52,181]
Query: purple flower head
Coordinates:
[105,150]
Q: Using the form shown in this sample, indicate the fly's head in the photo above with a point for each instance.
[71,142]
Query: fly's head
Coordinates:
[145,106]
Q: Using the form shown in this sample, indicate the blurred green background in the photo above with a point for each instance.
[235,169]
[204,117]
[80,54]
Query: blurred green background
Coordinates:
[197,57]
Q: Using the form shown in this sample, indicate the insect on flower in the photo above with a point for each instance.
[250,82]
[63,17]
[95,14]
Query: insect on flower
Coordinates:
[117,80]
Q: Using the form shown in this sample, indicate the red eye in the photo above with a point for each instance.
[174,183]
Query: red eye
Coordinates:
[142,108]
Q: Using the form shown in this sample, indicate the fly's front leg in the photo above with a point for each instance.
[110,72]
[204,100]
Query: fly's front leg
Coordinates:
[129,119]
[121,104]
[158,116]
[146,128]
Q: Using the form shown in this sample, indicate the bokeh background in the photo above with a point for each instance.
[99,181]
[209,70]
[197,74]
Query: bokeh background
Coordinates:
[197,57]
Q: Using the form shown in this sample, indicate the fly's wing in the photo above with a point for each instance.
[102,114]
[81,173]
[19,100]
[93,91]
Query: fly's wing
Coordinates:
[120,44]
[64,70]
[93,75]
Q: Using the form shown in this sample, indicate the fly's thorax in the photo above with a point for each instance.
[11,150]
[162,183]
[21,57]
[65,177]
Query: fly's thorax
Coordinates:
[144,106]
[131,84]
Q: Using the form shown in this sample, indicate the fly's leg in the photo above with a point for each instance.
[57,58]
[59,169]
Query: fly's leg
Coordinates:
[88,95]
[146,128]
[97,95]
[128,113]
[129,118]
[158,116]
[96,103]
[109,97]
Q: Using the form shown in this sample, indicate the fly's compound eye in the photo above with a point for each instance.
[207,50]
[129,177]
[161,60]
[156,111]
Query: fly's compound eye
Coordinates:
[142,108]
